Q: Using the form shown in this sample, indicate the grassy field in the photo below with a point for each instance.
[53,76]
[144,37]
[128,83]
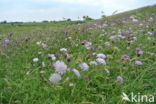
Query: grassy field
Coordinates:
[118,55]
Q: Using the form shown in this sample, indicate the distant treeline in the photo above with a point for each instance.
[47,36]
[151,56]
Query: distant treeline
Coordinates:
[84,18]
[43,22]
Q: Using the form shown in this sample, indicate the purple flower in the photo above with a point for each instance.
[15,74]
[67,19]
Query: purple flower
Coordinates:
[44,45]
[138,63]
[104,26]
[150,19]
[93,63]
[6,41]
[139,51]
[101,61]
[107,44]
[52,56]
[60,67]
[125,56]
[84,66]
[55,78]
[120,79]
[128,33]
[87,44]
[101,55]
[94,24]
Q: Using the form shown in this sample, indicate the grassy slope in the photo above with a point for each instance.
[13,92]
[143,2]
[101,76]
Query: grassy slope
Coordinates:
[25,82]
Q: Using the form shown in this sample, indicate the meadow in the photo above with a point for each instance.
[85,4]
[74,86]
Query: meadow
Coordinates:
[79,62]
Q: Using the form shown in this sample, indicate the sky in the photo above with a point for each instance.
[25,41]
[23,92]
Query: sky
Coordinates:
[39,10]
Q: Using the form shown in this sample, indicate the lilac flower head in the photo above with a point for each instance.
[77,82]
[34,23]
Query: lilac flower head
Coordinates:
[125,56]
[107,44]
[128,33]
[139,51]
[113,37]
[87,44]
[94,24]
[84,66]
[44,45]
[60,67]
[135,20]
[138,63]
[52,56]
[150,19]
[101,55]
[55,78]
[104,25]
[6,41]
[93,63]
[135,38]
[120,79]
[101,61]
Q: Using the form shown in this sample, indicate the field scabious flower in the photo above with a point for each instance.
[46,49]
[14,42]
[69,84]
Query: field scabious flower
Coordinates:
[6,41]
[52,56]
[138,63]
[76,72]
[101,55]
[107,44]
[93,63]
[63,50]
[35,60]
[44,45]
[84,66]
[135,20]
[120,79]
[101,61]
[116,37]
[60,67]
[104,26]
[87,44]
[125,56]
[55,78]
[126,33]
[139,51]
[135,38]
[121,37]
[113,38]
[150,19]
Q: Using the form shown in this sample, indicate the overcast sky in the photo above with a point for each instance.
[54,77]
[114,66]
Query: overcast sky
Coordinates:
[38,10]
